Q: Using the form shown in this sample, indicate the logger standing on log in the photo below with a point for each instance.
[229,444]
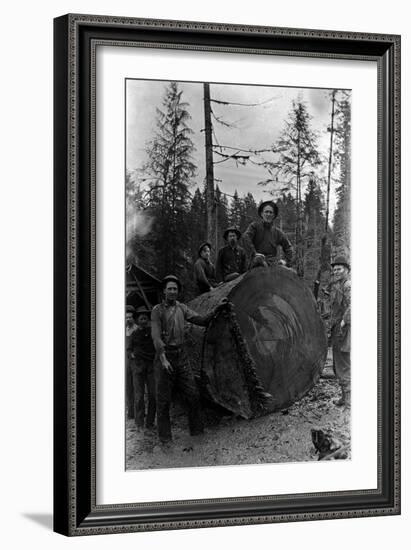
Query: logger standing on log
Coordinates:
[204,270]
[130,328]
[172,367]
[263,237]
[341,327]
[231,259]
[141,350]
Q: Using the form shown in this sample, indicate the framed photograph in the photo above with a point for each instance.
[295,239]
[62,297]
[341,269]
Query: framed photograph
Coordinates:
[227,275]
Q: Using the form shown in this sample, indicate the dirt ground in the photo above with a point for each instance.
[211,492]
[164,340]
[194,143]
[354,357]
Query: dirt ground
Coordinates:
[284,436]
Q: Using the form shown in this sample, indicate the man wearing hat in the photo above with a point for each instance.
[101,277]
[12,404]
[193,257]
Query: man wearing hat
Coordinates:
[263,237]
[130,328]
[341,326]
[172,367]
[231,259]
[204,270]
[141,350]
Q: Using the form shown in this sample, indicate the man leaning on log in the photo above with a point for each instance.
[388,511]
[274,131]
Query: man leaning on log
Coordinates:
[262,237]
[172,367]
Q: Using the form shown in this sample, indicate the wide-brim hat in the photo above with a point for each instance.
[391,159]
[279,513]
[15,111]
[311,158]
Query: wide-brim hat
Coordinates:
[340,260]
[266,203]
[236,231]
[142,309]
[130,309]
[202,245]
[171,278]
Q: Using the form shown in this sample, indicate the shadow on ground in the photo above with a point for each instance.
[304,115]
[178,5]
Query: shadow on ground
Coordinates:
[45,520]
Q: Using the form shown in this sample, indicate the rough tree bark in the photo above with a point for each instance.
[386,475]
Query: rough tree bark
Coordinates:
[272,340]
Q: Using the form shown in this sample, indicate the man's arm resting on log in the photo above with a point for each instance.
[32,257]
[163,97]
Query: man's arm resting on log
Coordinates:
[203,320]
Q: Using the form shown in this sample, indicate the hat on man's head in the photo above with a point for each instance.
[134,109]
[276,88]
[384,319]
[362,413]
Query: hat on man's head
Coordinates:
[232,228]
[142,310]
[130,309]
[203,245]
[341,260]
[266,203]
[171,279]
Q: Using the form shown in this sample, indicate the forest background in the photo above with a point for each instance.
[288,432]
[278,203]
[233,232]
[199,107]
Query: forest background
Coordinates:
[201,157]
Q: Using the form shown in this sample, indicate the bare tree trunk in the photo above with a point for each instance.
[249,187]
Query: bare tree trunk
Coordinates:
[210,195]
[317,281]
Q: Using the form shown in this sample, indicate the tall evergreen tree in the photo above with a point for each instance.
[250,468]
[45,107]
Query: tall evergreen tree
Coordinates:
[198,225]
[287,217]
[222,212]
[342,213]
[314,221]
[297,158]
[249,211]
[236,209]
[170,171]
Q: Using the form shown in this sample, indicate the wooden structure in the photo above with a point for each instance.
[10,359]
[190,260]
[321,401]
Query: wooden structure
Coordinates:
[142,288]
[271,340]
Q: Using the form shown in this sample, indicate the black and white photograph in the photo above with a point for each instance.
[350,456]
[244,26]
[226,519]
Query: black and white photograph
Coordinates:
[237,285]
[189,382]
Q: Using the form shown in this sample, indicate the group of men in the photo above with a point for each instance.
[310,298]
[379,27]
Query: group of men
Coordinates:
[262,238]
[157,361]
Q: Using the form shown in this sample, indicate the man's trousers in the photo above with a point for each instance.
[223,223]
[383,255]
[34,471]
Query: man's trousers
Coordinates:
[182,380]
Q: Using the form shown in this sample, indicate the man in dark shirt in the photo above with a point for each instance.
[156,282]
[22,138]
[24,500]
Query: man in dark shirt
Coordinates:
[130,328]
[204,270]
[172,367]
[231,259]
[263,237]
[141,349]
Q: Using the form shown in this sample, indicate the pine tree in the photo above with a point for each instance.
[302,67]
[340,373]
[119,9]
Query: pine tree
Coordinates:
[296,150]
[314,222]
[287,215]
[342,214]
[236,210]
[222,211]
[170,171]
[249,211]
[198,225]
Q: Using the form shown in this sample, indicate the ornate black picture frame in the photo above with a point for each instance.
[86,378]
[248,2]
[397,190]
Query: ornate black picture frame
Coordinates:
[75,41]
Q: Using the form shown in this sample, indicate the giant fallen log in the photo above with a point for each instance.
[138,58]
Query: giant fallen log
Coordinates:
[266,350]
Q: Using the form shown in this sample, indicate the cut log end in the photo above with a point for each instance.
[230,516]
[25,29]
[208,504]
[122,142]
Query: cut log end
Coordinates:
[273,343]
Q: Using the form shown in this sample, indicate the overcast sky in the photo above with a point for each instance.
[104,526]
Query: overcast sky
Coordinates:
[255,127]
